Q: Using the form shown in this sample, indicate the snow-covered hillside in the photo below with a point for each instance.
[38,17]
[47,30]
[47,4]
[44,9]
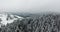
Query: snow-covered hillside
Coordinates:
[8,18]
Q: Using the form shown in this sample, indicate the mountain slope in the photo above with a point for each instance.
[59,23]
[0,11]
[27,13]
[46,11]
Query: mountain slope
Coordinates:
[42,23]
[8,18]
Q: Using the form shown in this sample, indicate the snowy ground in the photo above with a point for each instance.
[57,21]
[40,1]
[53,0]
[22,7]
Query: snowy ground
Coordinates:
[7,19]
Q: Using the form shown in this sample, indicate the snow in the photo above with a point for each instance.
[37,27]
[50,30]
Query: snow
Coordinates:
[4,17]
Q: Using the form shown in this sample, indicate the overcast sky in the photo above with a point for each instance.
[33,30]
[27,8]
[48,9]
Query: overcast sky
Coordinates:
[30,5]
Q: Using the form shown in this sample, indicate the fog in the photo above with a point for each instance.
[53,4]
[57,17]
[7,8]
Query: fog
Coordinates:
[33,6]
